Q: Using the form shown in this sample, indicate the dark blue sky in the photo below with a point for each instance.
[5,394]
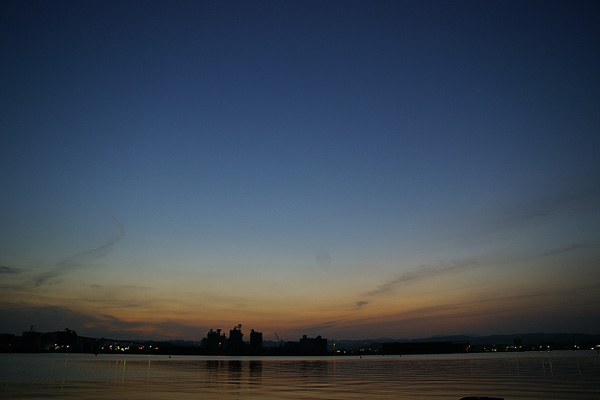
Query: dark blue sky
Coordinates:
[329,165]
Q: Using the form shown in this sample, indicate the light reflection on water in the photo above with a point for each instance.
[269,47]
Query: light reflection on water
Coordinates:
[554,375]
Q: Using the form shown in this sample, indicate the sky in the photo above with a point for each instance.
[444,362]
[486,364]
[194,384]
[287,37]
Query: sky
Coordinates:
[349,169]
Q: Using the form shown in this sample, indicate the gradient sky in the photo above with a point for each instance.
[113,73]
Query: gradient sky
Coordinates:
[350,169]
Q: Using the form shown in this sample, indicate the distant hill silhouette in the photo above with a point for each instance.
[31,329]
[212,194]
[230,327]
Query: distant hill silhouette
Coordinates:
[526,341]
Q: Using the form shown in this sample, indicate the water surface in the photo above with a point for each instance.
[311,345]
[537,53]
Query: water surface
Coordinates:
[513,376]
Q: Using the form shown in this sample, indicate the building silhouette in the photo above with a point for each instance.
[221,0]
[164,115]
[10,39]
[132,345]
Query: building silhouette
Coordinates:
[214,342]
[235,343]
[307,346]
[256,340]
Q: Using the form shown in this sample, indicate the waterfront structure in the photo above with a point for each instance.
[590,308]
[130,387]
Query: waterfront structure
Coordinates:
[235,343]
[256,340]
[307,346]
[214,341]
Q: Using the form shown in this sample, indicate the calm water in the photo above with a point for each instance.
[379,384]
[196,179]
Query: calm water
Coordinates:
[553,375]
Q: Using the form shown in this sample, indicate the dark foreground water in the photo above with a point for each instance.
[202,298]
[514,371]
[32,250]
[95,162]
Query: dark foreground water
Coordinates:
[513,376]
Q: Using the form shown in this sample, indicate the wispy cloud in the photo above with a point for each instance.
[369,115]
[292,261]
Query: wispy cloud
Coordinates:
[79,260]
[96,286]
[361,303]
[566,249]
[114,326]
[16,317]
[429,271]
[548,205]
[550,304]
[497,220]
[151,237]
[320,327]
[418,274]
[421,273]
[9,270]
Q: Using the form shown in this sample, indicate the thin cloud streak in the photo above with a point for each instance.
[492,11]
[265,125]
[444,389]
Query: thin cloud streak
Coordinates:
[18,317]
[500,308]
[572,247]
[569,199]
[421,273]
[9,270]
[151,237]
[78,260]
[321,327]
[504,219]
[361,303]
[430,271]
